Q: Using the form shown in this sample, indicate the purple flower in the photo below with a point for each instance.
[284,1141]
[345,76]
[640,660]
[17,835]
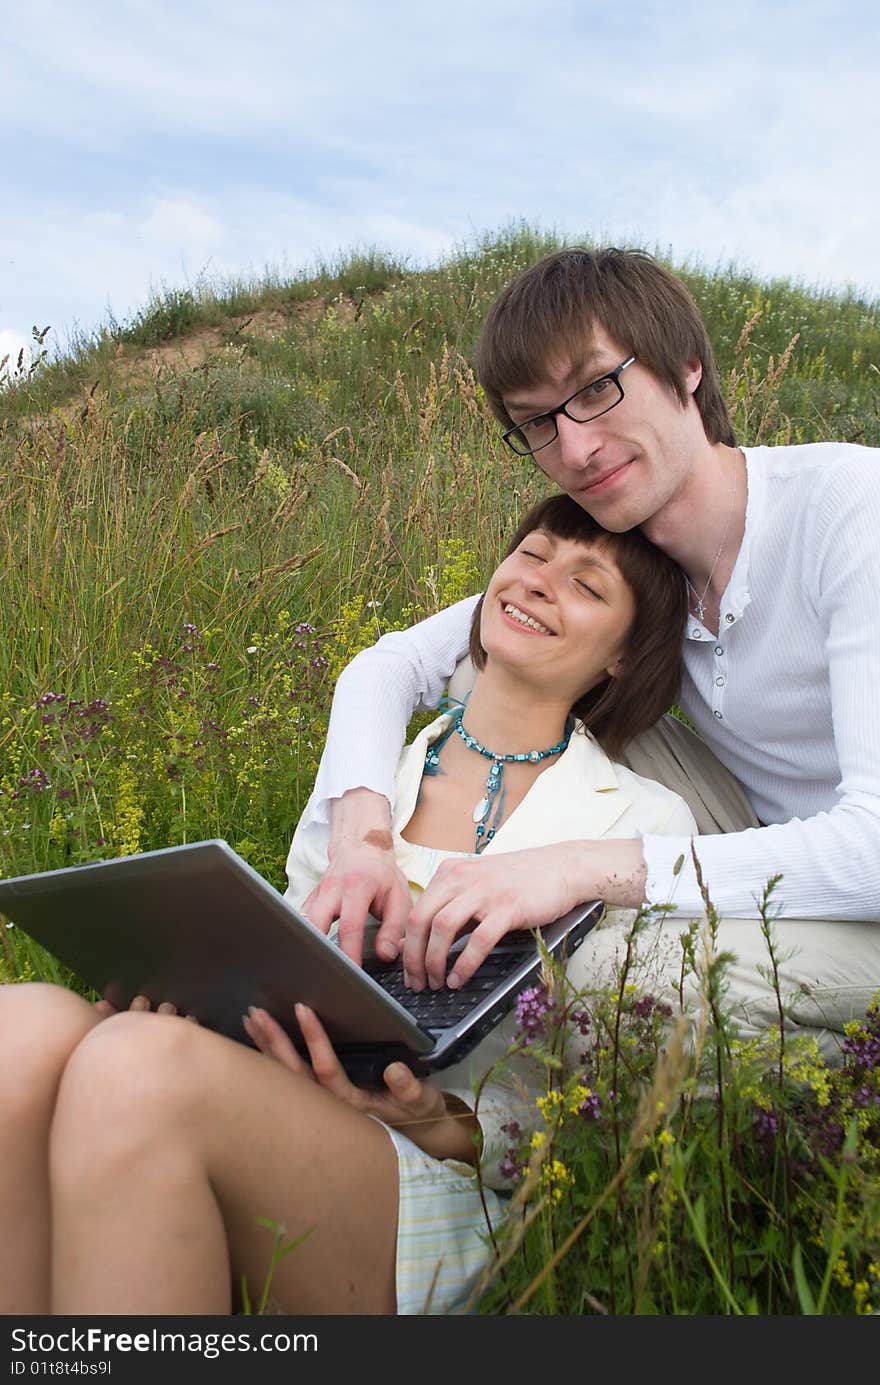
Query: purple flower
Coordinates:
[510,1168]
[590,1107]
[764,1124]
[648,1005]
[531,1008]
[36,780]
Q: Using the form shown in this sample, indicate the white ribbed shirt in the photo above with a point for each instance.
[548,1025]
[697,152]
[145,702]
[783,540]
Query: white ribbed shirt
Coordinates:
[783,695]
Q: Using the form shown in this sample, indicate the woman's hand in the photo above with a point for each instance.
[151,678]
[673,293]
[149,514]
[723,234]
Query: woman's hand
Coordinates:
[512,890]
[420,1111]
[140,1002]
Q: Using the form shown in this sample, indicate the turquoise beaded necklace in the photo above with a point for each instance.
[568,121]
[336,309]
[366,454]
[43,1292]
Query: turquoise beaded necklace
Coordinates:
[494,791]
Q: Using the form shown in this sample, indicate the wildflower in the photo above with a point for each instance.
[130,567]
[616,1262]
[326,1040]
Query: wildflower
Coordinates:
[510,1168]
[549,1106]
[532,1006]
[764,1124]
[555,1177]
[589,1105]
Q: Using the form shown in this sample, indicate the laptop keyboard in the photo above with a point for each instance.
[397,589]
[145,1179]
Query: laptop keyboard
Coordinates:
[439,1009]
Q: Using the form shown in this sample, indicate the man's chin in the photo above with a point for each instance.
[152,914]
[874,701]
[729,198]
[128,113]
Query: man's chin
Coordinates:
[613,518]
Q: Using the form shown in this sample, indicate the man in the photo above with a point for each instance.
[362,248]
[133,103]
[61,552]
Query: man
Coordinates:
[599,366]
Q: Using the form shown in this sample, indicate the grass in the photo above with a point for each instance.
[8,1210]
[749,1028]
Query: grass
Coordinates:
[194,546]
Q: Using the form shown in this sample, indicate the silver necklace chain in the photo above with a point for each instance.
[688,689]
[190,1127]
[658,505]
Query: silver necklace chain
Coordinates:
[700,601]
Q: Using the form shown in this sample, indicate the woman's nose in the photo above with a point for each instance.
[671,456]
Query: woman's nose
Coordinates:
[540,583]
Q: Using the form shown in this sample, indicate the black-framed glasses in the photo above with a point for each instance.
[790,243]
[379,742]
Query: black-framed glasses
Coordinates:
[590,401]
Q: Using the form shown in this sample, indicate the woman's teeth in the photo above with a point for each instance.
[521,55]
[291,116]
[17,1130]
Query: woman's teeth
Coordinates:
[516,614]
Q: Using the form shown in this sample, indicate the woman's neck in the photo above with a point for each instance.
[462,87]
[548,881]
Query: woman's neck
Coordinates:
[506,715]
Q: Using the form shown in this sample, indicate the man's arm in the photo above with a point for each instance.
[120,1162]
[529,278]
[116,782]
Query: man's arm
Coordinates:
[374,699]
[829,862]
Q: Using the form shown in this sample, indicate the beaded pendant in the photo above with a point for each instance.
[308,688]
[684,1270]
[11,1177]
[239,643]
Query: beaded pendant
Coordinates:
[494,791]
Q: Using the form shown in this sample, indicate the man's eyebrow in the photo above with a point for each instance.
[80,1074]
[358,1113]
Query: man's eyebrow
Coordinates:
[593,368]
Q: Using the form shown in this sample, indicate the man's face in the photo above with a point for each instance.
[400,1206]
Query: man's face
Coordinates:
[627,465]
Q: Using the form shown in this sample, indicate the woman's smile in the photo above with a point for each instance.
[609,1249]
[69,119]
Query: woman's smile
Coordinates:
[524,620]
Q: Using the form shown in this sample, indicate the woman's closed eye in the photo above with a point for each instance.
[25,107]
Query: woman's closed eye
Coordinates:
[587,589]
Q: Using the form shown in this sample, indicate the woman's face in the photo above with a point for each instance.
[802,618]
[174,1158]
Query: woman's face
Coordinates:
[560,611]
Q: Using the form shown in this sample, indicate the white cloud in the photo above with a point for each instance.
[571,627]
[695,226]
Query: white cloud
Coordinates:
[223,139]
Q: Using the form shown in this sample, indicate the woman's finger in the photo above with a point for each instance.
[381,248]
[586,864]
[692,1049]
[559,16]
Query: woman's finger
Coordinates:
[140,1002]
[418,1097]
[271,1039]
[325,1064]
[166,1007]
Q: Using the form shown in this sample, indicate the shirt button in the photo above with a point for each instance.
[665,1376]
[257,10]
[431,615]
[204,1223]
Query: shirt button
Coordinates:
[719,716]
[719,682]
[695,632]
[718,649]
[729,617]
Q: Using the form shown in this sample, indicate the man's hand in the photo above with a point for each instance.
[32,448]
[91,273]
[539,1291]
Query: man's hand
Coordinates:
[510,891]
[362,877]
[441,1126]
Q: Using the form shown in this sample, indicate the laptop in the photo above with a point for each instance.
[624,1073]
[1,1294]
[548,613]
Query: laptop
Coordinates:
[197,926]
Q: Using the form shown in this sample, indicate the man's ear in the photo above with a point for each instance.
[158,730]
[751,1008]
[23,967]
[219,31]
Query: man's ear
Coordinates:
[693,374]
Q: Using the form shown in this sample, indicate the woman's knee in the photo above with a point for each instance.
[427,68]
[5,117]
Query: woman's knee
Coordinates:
[135,1079]
[41,1026]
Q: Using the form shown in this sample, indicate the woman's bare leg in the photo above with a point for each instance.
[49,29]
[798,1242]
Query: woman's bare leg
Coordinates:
[40,1026]
[169,1142]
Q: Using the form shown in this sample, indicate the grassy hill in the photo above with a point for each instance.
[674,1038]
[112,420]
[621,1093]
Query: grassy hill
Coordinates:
[205,511]
[227,466]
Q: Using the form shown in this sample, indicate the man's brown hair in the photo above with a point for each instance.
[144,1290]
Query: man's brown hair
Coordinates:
[648,681]
[548,313]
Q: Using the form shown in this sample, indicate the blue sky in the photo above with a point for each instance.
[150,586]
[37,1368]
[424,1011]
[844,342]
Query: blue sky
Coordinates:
[148,144]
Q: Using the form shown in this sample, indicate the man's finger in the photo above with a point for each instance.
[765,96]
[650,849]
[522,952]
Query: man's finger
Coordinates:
[322,906]
[395,917]
[357,896]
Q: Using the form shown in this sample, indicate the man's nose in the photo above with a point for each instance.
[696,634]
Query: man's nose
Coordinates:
[576,442]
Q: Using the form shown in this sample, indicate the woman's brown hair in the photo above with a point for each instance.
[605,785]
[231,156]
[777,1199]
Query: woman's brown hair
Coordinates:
[650,674]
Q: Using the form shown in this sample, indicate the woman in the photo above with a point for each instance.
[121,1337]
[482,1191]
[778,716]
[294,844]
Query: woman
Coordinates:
[139,1151]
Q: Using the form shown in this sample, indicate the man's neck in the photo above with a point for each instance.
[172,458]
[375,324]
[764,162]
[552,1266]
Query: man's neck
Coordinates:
[702,526]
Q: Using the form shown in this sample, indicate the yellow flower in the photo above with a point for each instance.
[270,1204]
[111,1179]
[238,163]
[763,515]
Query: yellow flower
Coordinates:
[549,1106]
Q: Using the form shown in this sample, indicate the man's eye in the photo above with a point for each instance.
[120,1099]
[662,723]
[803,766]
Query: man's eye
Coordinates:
[598,386]
[591,591]
[535,425]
